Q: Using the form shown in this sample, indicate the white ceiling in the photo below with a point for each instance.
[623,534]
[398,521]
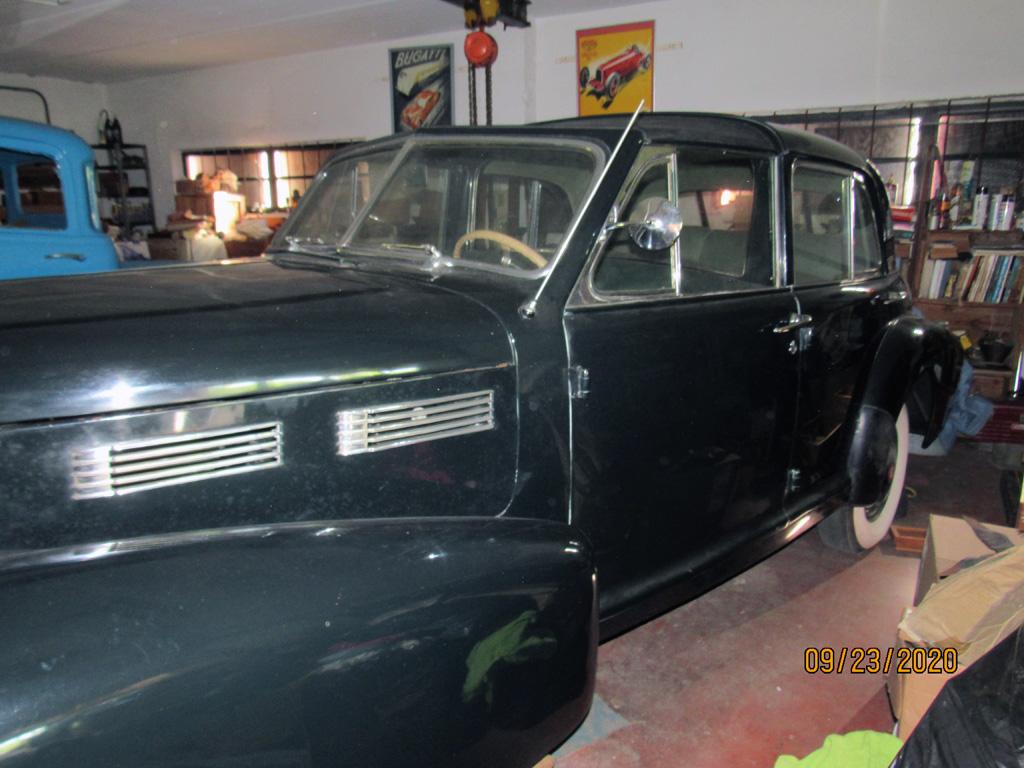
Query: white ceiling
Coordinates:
[110,40]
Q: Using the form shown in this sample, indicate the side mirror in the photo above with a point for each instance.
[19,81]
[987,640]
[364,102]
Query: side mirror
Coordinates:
[655,224]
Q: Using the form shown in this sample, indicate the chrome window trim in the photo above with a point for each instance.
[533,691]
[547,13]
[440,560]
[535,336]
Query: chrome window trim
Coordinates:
[585,292]
[587,145]
[780,239]
[850,176]
[875,272]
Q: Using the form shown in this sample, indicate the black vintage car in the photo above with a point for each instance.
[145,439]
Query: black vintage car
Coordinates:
[343,505]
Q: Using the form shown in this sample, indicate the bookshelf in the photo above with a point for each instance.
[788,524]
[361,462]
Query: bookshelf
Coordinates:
[977,318]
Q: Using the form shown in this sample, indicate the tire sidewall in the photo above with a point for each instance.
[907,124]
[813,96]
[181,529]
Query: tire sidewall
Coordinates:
[867,532]
[613,86]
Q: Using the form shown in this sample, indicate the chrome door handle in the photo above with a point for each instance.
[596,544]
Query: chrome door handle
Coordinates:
[71,256]
[795,321]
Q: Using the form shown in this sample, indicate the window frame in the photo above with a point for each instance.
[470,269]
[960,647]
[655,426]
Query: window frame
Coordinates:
[12,178]
[851,179]
[646,161]
[586,296]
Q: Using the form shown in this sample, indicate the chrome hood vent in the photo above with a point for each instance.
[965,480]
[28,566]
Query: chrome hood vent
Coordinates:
[380,427]
[141,465]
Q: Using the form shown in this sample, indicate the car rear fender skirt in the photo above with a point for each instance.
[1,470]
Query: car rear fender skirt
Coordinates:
[455,642]
[872,455]
[915,363]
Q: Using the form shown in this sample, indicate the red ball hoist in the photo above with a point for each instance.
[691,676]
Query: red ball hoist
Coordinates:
[481,51]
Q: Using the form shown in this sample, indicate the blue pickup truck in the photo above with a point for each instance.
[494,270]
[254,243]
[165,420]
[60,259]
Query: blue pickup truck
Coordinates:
[49,221]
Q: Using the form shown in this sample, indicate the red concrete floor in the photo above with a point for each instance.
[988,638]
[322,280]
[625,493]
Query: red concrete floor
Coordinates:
[721,681]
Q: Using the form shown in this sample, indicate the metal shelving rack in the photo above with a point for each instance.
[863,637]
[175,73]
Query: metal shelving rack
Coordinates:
[126,209]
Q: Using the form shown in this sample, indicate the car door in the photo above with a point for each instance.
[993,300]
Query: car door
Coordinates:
[686,376]
[841,287]
[40,233]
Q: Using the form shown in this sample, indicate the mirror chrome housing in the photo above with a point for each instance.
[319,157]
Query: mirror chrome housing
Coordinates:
[655,224]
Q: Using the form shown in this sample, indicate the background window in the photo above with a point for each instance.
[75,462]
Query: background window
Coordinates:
[726,237]
[268,176]
[625,267]
[820,226]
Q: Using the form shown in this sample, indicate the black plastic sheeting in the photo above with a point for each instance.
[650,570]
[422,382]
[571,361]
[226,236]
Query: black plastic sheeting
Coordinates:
[977,719]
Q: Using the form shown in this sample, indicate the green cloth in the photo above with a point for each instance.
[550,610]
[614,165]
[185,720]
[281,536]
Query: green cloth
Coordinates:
[860,749]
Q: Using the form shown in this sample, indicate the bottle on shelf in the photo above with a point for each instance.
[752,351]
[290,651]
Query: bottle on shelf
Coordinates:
[979,218]
[1004,217]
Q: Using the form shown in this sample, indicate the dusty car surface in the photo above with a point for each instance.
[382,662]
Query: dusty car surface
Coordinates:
[347,502]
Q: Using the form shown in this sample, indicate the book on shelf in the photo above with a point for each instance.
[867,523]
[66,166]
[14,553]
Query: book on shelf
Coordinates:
[988,276]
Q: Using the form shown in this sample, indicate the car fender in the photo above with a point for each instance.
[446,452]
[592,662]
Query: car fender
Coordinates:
[454,642]
[912,355]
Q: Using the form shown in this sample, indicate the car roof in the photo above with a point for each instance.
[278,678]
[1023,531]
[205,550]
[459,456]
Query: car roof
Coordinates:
[711,129]
[723,130]
[58,138]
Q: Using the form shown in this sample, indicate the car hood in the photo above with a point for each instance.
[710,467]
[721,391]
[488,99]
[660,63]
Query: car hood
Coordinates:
[99,344]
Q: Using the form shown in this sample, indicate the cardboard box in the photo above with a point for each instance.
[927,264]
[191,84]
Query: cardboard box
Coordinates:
[188,187]
[950,541]
[962,603]
[200,205]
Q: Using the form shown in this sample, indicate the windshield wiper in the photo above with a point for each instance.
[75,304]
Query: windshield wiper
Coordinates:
[311,246]
[427,248]
[436,261]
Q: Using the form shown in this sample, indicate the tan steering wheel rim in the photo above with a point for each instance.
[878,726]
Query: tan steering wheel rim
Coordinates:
[502,239]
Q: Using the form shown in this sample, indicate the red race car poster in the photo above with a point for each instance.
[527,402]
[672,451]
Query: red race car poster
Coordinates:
[615,68]
[421,86]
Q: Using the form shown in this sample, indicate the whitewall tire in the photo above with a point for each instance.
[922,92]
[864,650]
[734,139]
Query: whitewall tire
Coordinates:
[855,529]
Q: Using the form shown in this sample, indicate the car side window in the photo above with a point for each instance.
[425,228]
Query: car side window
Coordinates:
[726,242]
[821,225]
[867,248]
[625,267]
[35,199]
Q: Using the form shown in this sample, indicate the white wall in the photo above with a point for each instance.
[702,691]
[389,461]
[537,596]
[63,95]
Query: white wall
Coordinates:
[74,106]
[323,95]
[749,56]
[730,55]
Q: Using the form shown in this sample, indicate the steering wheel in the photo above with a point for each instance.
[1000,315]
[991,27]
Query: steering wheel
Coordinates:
[506,241]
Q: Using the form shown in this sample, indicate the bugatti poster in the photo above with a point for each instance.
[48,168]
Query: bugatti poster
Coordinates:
[421,86]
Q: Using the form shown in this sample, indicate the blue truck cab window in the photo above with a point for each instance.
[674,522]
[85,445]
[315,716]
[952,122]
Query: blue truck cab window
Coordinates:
[48,213]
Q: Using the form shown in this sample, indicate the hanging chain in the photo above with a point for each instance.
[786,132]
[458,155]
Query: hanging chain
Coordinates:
[486,84]
[472,94]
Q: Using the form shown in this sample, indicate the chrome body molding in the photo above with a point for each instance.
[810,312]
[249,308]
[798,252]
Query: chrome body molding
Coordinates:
[141,465]
[379,427]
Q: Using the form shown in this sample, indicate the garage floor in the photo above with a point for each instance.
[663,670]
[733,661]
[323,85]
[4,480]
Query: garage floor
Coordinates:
[720,681]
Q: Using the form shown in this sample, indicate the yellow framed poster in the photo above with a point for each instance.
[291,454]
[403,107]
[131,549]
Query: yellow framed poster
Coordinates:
[615,68]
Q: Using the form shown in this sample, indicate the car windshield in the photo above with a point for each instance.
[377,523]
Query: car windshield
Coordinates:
[500,204]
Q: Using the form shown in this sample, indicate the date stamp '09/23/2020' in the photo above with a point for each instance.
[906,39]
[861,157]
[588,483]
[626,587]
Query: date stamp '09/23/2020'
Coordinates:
[872,661]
